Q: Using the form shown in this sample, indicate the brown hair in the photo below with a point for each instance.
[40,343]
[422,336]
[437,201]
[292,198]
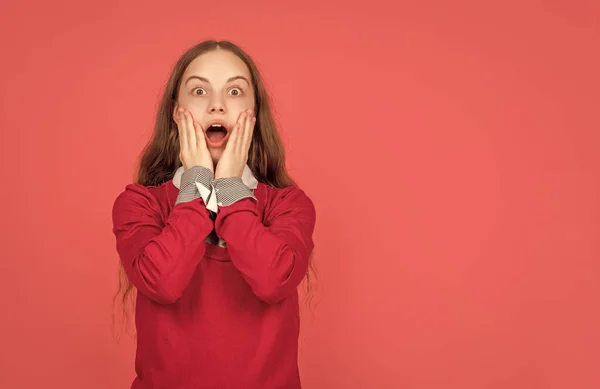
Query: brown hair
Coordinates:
[160,157]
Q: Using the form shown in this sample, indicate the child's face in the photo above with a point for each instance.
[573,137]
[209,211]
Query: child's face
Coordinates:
[216,87]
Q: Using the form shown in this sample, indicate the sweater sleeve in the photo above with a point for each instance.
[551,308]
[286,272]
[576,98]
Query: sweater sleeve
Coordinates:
[272,257]
[159,257]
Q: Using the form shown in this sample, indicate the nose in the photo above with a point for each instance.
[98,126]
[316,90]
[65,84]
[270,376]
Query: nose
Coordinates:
[217,105]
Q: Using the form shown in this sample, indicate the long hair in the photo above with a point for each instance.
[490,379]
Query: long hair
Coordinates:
[160,157]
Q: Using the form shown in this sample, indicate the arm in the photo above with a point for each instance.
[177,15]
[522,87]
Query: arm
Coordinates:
[159,258]
[272,258]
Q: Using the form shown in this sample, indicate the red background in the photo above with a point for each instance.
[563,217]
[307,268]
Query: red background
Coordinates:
[451,149]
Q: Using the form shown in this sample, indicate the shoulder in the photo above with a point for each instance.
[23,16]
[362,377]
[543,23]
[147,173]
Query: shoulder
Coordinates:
[137,199]
[291,199]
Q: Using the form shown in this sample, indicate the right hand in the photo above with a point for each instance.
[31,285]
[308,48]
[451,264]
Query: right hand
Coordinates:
[192,144]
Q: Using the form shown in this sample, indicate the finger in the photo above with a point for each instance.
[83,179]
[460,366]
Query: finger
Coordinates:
[233,139]
[180,128]
[250,122]
[250,135]
[242,132]
[200,139]
[191,133]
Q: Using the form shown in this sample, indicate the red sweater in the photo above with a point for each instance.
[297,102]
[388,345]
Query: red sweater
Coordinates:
[208,316]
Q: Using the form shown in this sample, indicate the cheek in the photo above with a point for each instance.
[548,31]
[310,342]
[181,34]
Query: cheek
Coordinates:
[237,106]
[196,108]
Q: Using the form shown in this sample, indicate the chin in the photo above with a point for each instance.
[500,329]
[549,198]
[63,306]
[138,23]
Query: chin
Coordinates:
[215,154]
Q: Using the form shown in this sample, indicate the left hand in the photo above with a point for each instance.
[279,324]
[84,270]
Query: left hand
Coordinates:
[234,157]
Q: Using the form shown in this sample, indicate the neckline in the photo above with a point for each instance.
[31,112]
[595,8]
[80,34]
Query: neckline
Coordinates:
[212,251]
[216,252]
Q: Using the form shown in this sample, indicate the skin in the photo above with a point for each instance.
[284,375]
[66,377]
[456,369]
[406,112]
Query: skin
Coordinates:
[216,86]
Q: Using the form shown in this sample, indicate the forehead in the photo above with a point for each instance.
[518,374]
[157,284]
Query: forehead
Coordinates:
[217,66]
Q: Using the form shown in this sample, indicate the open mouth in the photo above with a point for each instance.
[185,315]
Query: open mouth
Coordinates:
[216,133]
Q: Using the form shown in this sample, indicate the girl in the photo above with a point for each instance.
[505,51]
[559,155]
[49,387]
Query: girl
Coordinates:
[215,236]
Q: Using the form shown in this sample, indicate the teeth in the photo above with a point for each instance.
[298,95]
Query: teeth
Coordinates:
[217,125]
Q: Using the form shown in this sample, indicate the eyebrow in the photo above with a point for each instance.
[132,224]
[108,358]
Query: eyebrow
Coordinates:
[230,79]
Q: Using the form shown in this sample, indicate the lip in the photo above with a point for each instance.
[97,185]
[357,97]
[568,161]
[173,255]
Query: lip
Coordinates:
[216,122]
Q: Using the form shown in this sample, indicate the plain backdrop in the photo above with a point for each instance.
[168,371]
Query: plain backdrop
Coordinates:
[451,149]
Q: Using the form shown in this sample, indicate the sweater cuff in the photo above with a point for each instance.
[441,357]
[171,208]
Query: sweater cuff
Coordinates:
[231,190]
[195,183]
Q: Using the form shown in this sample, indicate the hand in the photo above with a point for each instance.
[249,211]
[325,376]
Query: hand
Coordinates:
[235,155]
[192,144]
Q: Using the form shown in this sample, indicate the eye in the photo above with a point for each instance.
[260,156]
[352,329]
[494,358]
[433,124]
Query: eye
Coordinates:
[235,91]
[198,92]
